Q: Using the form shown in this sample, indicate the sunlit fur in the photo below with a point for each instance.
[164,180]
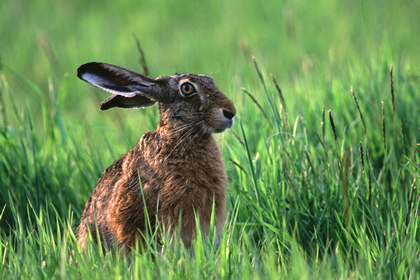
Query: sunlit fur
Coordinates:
[176,169]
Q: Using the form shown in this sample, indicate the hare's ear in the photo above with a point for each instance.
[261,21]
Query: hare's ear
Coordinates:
[129,89]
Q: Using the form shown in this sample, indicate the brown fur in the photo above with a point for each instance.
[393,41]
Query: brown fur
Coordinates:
[177,169]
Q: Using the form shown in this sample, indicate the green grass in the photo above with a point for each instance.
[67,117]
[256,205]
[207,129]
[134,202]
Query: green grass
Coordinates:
[323,160]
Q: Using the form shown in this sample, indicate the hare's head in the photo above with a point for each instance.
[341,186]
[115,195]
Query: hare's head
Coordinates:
[187,101]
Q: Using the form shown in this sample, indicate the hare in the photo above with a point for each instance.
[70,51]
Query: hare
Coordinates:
[175,173]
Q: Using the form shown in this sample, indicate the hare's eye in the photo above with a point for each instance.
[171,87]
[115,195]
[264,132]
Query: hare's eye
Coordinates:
[187,89]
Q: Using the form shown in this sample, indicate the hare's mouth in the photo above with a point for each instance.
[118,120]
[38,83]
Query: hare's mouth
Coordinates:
[224,119]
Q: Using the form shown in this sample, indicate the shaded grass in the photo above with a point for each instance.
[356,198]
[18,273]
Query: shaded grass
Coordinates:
[332,193]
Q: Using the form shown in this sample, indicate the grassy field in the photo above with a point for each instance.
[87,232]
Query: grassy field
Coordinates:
[323,160]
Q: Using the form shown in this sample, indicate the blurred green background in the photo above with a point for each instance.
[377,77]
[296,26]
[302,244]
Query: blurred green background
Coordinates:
[322,41]
[212,37]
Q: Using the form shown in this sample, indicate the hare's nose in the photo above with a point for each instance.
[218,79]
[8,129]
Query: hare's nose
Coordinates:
[228,115]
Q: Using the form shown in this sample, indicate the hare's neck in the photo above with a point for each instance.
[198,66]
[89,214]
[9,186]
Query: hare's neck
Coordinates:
[180,126]
[182,135]
[176,144]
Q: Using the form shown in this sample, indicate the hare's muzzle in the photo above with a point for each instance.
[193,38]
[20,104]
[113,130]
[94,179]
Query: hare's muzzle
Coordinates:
[225,117]
[229,116]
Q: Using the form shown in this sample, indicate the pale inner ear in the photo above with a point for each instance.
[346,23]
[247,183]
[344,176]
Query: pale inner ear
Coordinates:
[109,85]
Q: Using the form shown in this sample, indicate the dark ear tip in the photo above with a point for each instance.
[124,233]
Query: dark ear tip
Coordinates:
[103,108]
[105,105]
[81,70]
[87,67]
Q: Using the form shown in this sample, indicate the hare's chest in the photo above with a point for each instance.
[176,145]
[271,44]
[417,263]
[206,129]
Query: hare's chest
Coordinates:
[183,168]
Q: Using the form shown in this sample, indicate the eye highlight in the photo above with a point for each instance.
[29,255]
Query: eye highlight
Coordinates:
[187,89]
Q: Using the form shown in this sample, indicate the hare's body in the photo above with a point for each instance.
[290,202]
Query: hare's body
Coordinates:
[174,173]
[116,206]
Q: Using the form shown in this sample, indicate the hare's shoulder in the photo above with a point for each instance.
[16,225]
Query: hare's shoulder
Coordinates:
[112,173]
[130,160]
